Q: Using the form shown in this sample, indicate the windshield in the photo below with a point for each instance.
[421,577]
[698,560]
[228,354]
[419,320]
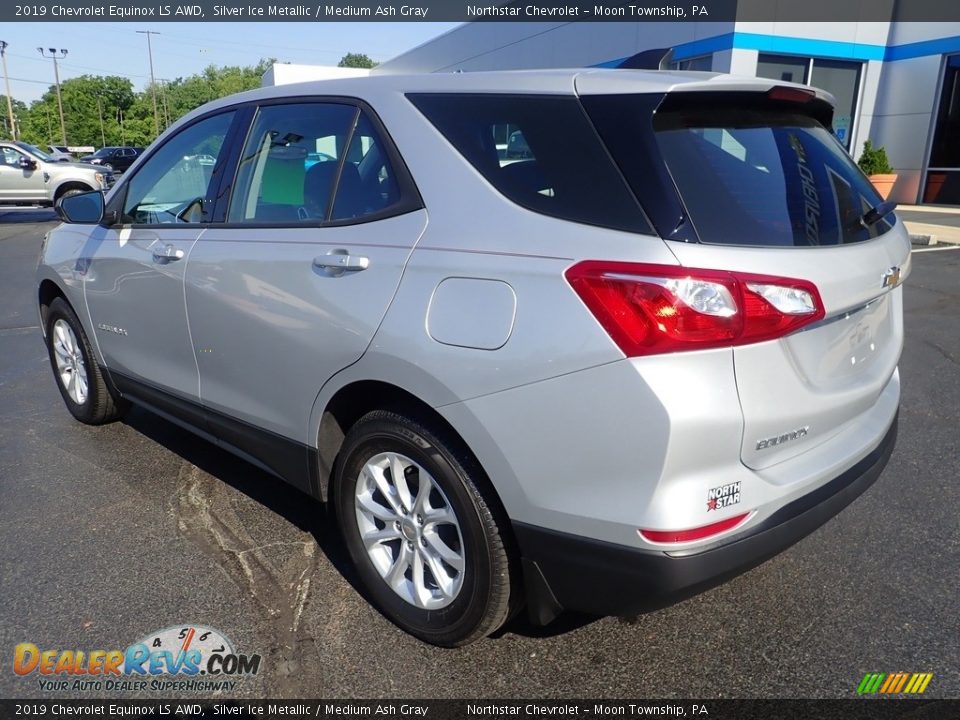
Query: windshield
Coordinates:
[102,152]
[34,150]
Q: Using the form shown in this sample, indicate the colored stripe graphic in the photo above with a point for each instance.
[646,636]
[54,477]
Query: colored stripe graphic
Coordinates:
[894,683]
[871,683]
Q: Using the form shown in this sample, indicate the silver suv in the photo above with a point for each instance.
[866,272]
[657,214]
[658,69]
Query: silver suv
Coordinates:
[29,176]
[654,351]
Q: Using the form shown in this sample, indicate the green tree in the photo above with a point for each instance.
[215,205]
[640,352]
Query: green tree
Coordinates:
[356,60]
[85,100]
[127,116]
[19,108]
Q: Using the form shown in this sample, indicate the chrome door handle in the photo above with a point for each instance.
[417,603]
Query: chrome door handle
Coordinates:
[338,262]
[167,253]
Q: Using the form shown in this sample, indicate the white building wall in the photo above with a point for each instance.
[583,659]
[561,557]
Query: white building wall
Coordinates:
[897,100]
[515,46]
[906,104]
[287,73]
[902,121]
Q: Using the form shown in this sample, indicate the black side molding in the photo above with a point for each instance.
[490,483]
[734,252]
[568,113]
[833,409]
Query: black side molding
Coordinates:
[287,459]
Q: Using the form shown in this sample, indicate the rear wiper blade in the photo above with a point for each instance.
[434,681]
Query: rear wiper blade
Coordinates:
[877,213]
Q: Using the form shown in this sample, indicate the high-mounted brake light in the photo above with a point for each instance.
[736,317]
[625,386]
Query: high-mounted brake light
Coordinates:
[698,533]
[653,309]
[791,94]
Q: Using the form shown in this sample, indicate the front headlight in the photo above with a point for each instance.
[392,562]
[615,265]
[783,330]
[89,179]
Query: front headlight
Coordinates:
[101,178]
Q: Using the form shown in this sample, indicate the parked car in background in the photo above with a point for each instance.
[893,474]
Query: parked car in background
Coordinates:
[653,350]
[60,153]
[118,158]
[29,176]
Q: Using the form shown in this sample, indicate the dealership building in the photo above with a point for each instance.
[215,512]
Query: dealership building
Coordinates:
[896,83]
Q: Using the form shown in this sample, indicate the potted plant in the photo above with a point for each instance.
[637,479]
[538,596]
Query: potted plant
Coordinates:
[876,166]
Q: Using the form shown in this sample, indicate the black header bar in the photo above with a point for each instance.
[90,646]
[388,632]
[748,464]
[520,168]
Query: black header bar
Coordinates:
[481,11]
[576,709]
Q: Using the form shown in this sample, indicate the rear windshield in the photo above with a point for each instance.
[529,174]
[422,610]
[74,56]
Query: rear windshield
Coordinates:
[750,175]
[541,152]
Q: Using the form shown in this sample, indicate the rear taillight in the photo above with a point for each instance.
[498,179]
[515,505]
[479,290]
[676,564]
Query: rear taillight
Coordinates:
[652,309]
[699,533]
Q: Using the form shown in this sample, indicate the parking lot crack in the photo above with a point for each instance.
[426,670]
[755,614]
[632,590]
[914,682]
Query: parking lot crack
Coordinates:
[275,574]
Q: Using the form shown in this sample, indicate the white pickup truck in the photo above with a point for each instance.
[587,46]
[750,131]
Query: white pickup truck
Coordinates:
[29,176]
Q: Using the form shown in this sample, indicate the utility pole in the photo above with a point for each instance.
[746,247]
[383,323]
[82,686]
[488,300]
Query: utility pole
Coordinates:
[166,115]
[103,135]
[56,74]
[6,81]
[153,83]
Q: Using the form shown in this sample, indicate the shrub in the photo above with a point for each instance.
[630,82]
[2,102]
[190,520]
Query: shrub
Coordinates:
[874,161]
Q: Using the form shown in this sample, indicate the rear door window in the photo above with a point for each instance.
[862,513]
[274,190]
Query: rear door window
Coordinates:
[539,151]
[310,163]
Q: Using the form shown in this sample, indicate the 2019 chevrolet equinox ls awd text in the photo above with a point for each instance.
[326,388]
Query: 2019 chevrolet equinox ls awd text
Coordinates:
[653,352]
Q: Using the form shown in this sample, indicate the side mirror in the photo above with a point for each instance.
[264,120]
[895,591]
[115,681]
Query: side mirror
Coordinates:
[82,208]
[27,164]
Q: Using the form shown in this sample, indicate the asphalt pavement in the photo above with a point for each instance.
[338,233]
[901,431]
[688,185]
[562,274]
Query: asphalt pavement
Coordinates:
[108,534]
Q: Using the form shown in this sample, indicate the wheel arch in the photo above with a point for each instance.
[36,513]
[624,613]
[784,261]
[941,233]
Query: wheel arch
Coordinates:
[67,185]
[350,400]
[47,292]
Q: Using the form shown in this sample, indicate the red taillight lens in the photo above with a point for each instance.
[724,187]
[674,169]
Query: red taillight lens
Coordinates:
[700,533]
[652,309]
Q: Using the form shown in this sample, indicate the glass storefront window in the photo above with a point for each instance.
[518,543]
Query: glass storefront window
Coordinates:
[838,77]
[704,62]
[780,67]
[943,175]
[842,80]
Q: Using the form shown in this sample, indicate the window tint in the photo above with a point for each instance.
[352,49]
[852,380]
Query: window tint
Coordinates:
[172,186]
[297,156]
[750,177]
[540,152]
[367,183]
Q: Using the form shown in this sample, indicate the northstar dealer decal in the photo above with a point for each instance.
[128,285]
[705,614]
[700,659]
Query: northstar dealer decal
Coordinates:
[723,496]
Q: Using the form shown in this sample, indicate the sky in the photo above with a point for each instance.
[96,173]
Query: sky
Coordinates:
[183,49]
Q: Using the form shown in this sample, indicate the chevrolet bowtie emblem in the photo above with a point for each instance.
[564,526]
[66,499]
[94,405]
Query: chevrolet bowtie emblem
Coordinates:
[891,278]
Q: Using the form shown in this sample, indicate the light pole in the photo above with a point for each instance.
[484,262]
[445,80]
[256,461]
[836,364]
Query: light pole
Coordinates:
[6,81]
[56,74]
[153,83]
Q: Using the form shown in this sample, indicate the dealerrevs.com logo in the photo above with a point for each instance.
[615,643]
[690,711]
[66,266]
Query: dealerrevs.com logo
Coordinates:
[182,658]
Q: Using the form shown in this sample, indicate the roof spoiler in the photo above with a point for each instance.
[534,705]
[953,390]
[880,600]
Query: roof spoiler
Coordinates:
[656,59]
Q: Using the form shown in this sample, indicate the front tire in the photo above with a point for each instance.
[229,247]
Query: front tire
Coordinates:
[71,191]
[423,537]
[81,384]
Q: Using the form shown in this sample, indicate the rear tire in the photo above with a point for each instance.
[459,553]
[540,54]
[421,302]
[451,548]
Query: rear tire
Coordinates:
[428,549]
[79,379]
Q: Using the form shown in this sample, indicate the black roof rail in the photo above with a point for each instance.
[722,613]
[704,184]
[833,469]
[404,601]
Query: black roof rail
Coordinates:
[656,59]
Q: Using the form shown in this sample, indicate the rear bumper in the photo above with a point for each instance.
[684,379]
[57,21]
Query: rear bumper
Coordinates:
[568,572]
